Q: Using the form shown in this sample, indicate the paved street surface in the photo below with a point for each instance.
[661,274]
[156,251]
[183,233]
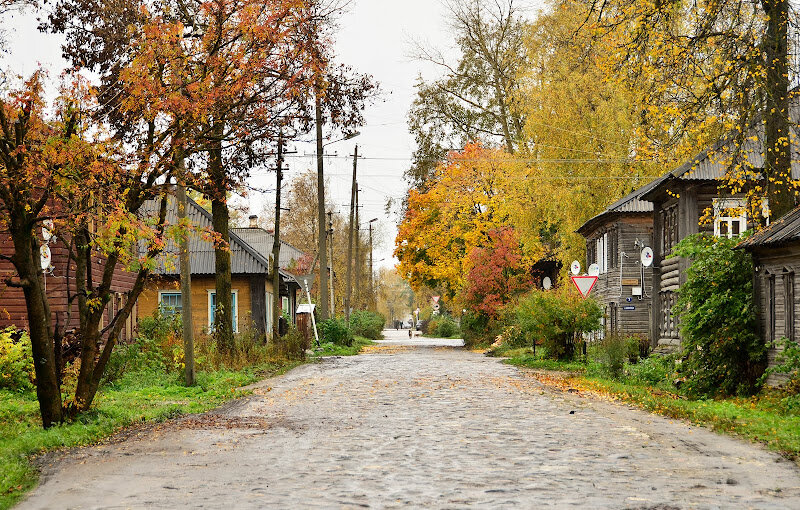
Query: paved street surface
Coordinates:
[421,427]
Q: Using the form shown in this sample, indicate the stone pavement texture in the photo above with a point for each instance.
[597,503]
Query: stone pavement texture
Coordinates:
[413,426]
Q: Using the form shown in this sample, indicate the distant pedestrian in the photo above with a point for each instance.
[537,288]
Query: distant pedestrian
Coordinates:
[409,333]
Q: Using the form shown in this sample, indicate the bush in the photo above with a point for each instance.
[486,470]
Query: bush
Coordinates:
[443,326]
[158,346]
[653,370]
[335,331]
[557,319]
[787,362]
[722,354]
[367,324]
[614,351]
[16,360]
[477,329]
[291,346]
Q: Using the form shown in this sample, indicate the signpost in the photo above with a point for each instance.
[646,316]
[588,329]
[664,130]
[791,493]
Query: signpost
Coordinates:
[306,282]
[584,284]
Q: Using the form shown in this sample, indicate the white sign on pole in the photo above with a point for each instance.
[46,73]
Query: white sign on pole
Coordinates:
[45,257]
[584,284]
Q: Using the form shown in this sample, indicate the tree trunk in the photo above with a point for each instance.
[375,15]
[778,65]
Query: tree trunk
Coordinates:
[186,288]
[48,392]
[777,155]
[223,312]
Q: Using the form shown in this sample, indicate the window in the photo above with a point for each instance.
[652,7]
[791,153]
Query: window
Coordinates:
[269,311]
[212,306]
[669,226]
[730,217]
[602,253]
[613,241]
[285,304]
[771,309]
[170,303]
[788,305]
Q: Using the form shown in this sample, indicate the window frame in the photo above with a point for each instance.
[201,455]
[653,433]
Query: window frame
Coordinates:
[721,205]
[162,293]
[235,295]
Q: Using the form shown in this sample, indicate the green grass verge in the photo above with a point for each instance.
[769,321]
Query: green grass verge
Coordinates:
[771,417]
[331,349]
[136,398]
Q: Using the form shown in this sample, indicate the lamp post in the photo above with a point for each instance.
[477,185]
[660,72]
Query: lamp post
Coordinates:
[322,245]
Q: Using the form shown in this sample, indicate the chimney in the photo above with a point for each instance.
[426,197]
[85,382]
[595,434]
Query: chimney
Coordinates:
[253,221]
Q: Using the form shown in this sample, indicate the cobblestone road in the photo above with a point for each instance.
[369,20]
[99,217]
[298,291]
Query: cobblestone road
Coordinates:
[420,426]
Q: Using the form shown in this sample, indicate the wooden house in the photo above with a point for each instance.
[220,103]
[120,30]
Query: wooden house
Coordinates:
[251,275]
[59,282]
[776,258]
[686,201]
[615,239]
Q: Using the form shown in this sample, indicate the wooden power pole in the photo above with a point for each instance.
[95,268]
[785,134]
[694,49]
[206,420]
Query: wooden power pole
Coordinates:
[276,246]
[186,285]
[349,283]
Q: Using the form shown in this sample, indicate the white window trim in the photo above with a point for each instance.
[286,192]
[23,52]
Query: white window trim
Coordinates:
[723,204]
[235,292]
[269,298]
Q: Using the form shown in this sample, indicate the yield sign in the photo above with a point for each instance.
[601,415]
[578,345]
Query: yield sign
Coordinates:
[584,284]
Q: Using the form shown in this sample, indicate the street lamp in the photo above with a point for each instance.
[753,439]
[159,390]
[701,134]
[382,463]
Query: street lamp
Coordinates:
[322,246]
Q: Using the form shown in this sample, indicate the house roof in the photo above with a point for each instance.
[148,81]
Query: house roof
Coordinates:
[262,241]
[780,232]
[629,204]
[706,167]
[245,258]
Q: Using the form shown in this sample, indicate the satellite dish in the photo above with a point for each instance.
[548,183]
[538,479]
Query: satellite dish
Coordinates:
[45,257]
[47,230]
[594,270]
[575,267]
[647,256]
[547,283]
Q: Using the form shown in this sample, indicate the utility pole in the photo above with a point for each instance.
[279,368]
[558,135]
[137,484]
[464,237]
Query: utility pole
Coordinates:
[186,282]
[349,284]
[321,248]
[330,246]
[371,274]
[276,245]
[356,259]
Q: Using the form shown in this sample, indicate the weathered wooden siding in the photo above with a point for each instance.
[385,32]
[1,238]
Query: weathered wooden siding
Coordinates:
[676,216]
[60,285]
[781,266]
[613,289]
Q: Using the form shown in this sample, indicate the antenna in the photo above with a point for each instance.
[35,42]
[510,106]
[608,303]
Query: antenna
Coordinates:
[594,270]
[575,267]
[647,256]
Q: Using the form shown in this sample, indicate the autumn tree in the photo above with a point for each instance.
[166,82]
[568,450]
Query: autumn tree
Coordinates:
[470,195]
[719,68]
[476,98]
[498,272]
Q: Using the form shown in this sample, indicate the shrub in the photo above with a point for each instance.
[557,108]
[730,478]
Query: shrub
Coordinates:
[16,360]
[722,354]
[367,324]
[557,319]
[291,346]
[443,326]
[787,362]
[158,346]
[477,329]
[614,351]
[335,331]
[653,370]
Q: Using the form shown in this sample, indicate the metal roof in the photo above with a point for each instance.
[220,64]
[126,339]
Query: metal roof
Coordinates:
[629,204]
[782,231]
[711,164]
[262,241]
[245,258]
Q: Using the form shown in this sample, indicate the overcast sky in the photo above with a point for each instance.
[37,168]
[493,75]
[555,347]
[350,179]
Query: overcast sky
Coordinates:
[375,38]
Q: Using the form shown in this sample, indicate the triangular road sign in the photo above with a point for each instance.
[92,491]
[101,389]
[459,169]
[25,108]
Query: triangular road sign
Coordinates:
[584,284]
